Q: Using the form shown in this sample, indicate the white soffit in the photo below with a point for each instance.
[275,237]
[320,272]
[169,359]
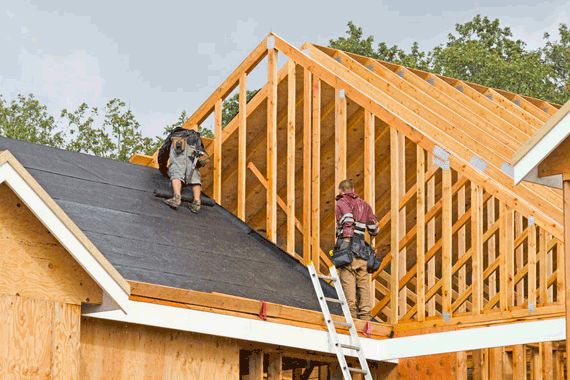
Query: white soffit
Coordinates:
[317,340]
[542,149]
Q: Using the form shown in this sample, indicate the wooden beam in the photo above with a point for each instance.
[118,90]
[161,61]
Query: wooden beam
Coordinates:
[542,271]
[242,142]
[496,363]
[402,254]
[461,246]
[506,231]
[369,160]
[519,362]
[271,218]
[566,255]
[291,108]
[307,160]
[420,232]
[446,228]
[256,365]
[477,248]
[275,369]
[532,266]
[217,191]
[545,349]
[316,173]
[340,136]
[394,224]
[430,231]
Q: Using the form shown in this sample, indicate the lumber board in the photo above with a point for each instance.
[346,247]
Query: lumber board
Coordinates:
[291,103]
[242,150]
[271,218]
[315,171]
[394,225]
[340,136]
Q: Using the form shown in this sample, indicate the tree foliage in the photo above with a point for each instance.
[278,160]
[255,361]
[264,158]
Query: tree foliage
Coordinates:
[231,106]
[482,51]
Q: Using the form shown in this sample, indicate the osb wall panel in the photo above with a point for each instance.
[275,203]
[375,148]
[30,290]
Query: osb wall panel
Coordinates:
[38,339]
[33,263]
[113,350]
[440,367]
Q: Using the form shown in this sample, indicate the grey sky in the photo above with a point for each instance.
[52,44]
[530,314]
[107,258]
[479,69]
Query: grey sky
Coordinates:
[163,57]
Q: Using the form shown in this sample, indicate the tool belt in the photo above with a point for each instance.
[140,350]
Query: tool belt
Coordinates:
[345,251]
[179,143]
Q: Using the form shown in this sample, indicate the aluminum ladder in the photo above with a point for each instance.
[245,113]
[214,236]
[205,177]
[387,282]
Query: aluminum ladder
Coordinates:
[331,324]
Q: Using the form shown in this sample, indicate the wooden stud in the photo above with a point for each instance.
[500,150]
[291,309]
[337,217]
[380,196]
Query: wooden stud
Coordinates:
[491,248]
[275,369]
[566,255]
[477,248]
[430,237]
[291,103]
[395,224]
[256,365]
[316,173]
[542,268]
[446,227]
[461,242]
[496,363]
[519,258]
[506,256]
[307,160]
[545,350]
[420,233]
[532,266]
[369,179]
[461,372]
[217,191]
[519,362]
[271,218]
[340,136]
[242,141]
[402,255]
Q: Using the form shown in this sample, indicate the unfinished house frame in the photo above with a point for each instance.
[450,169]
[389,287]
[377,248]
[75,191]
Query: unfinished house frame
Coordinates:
[472,270]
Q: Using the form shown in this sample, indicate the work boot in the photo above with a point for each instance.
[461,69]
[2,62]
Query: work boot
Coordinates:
[173,202]
[195,206]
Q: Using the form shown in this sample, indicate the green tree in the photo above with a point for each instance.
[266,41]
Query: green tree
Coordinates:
[230,107]
[484,52]
[84,135]
[25,118]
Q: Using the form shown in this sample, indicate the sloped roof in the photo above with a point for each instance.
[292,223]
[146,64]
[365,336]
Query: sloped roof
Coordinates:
[113,204]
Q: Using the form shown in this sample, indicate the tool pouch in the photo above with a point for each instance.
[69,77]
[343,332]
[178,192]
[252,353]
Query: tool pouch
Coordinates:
[203,160]
[373,262]
[341,255]
[179,144]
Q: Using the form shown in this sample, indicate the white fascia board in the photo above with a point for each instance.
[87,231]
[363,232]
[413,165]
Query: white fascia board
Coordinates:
[317,340]
[542,149]
[67,239]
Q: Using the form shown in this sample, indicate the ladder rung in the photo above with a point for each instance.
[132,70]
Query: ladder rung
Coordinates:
[328,278]
[357,370]
[350,347]
[340,323]
[335,300]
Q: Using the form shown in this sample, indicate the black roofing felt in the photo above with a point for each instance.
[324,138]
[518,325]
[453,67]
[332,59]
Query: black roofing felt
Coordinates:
[112,202]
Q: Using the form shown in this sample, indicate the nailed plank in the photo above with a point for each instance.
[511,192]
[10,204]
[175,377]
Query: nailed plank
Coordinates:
[307,160]
[446,227]
[340,136]
[217,182]
[506,231]
[477,247]
[275,368]
[271,212]
[256,365]
[394,224]
[532,266]
[316,173]
[420,232]
[291,105]
[242,141]
[519,362]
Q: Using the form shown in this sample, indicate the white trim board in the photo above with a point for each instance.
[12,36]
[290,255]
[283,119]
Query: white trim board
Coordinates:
[542,149]
[317,340]
[68,240]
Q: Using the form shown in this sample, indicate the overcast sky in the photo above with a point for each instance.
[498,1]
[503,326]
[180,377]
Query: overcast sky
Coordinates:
[165,56]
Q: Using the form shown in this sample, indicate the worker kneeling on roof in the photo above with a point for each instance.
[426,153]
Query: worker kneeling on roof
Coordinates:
[352,255]
[184,153]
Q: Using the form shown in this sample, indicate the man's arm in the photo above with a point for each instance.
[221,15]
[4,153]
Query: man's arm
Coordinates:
[345,219]
[371,221]
[163,154]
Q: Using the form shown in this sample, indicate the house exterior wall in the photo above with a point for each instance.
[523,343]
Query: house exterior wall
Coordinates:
[116,350]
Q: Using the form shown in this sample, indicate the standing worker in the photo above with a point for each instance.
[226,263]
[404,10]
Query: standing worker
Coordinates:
[184,150]
[352,256]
